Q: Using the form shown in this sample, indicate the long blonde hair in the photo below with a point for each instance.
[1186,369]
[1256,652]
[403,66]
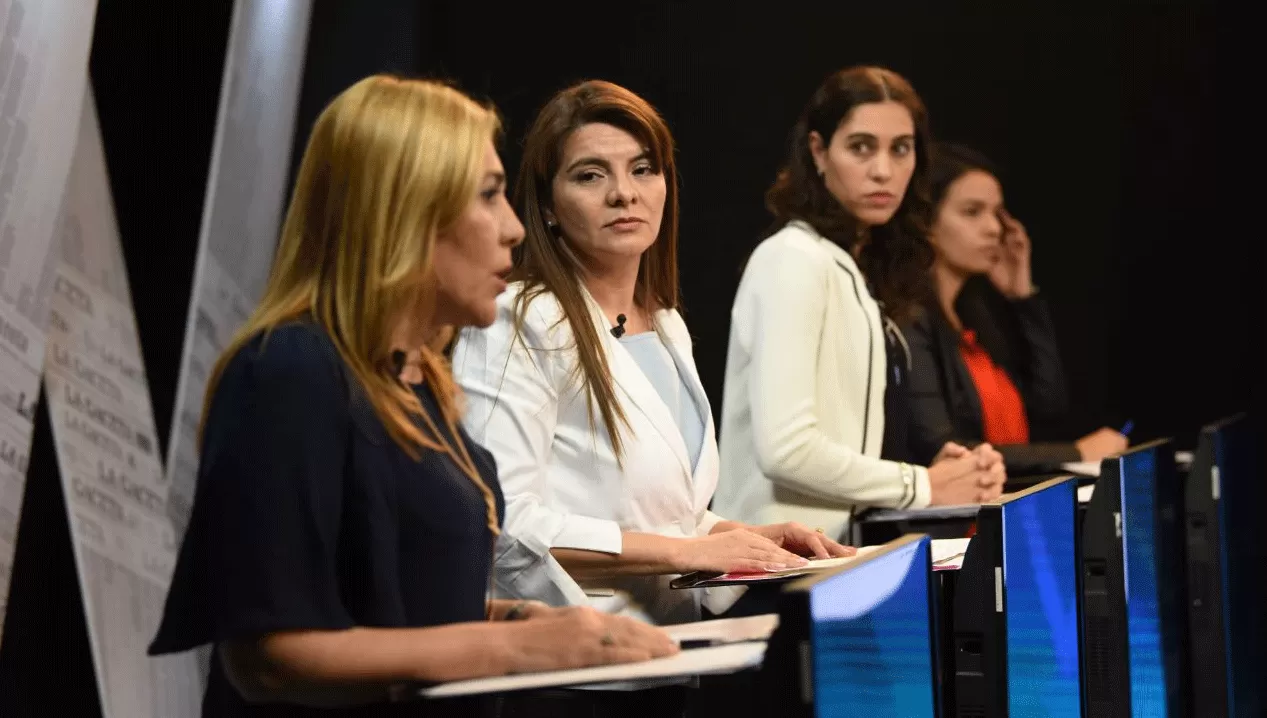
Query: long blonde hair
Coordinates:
[390,163]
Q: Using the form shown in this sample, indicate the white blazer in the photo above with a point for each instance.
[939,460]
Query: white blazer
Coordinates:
[803,409]
[557,468]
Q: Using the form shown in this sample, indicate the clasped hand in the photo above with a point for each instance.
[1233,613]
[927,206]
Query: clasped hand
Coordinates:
[966,476]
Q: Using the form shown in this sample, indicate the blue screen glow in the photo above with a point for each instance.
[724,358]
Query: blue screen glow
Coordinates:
[1040,571]
[872,637]
[1142,561]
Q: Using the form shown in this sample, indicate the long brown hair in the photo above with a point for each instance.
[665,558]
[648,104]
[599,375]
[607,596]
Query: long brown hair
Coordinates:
[390,163]
[546,264]
[897,258]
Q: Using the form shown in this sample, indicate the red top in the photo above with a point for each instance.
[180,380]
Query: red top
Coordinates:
[1002,411]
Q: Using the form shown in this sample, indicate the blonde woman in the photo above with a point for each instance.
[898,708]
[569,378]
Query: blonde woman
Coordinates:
[342,532]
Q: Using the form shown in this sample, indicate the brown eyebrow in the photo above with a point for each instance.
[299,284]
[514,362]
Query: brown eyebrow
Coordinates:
[604,164]
[498,177]
[589,161]
[869,136]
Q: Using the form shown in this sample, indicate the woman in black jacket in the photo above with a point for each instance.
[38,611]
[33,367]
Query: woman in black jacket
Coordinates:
[984,360]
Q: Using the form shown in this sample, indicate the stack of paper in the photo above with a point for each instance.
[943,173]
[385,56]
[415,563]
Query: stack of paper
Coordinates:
[948,553]
[1082,468]
[726,630]
[742,643]
[814,565]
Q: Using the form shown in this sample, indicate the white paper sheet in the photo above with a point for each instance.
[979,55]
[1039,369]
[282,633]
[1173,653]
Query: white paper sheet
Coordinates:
[727,658]
[726,630]
[1082,468]
[948,554]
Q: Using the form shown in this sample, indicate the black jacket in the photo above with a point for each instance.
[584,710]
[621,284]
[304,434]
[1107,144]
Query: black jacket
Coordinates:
[944,404]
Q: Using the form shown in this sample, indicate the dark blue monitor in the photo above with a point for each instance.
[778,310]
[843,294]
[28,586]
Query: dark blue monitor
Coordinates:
[1040,572]
[1014,608]
[1223,503]
[1134,620]
[872,636]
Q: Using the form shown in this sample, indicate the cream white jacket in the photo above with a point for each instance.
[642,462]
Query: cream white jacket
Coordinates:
[803,408]
[558,471]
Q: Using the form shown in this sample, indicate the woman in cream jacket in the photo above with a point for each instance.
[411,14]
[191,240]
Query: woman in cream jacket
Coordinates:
[815,366]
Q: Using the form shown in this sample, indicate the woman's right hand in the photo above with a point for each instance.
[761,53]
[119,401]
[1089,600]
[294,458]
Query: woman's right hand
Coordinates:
[962,480]
[580,636]
[1101,443]
[736,550]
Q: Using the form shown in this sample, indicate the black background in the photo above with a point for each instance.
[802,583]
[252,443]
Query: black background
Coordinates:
[1104,122]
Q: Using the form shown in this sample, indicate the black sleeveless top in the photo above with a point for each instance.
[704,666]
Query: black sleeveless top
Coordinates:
[308,516]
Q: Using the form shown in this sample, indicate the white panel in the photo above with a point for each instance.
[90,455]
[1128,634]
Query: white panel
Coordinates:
[108,455]
[246,193]
[43,71]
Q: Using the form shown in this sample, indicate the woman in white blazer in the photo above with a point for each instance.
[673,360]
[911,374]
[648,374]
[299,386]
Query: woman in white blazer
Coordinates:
[814,365]
[585,389]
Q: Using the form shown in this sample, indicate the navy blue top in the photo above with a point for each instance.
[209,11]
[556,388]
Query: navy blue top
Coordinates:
[307,515]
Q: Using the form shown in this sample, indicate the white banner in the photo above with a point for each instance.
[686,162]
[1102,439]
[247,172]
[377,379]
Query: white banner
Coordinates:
[246,192]
[107,451]
[43,72]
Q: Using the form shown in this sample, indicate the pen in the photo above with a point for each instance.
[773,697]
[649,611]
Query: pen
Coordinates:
[1126,428]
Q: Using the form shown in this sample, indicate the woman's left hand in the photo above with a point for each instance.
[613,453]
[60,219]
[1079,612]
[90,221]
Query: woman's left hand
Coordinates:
[1012,275]
[804,541]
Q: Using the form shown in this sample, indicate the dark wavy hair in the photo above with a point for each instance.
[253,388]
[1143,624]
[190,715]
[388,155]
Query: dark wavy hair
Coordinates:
[898,257]
[979,305]
[950,162]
